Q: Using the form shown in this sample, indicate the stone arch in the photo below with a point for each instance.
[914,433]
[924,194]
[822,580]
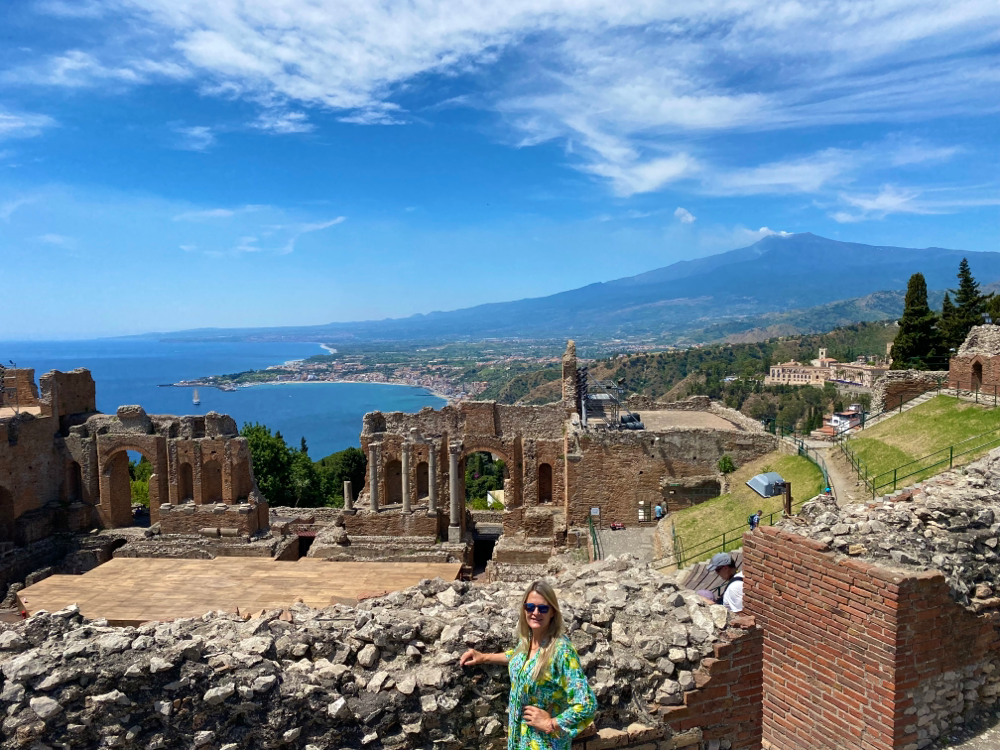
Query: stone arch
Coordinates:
[545,483]
[7,515]
[394,482]
[211,481]
[977,375]
[423,480]
[185,483]
[115,504]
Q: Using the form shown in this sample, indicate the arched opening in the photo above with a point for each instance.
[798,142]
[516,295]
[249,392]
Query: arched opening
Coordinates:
[185,483]
[211,481]
[126,486]
[423,480]
[544,483]
[7,517]
[484,475]
[977,375]
[242,485]
[394,483]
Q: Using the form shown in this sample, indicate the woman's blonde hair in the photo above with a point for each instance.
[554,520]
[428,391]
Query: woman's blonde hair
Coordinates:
[523,633]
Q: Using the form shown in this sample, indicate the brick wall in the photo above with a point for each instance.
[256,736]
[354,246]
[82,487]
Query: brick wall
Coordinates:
[19,388]
[961,375]
[897,386]
[857,655]
[188,518]
[67,393]
[391,523]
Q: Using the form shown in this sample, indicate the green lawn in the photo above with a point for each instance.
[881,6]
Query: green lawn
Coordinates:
[729,512]
[924,434]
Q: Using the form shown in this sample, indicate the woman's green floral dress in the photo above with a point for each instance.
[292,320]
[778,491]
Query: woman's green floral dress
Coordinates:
[563,692]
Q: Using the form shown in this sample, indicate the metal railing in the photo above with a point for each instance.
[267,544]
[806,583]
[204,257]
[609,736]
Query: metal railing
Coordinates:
[923,467]
[595,539]
[726,541]
[678,546]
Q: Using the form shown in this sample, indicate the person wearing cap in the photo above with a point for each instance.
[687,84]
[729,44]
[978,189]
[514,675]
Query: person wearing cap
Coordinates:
[732,592]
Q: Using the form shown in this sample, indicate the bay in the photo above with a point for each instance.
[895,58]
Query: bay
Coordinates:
[130,371]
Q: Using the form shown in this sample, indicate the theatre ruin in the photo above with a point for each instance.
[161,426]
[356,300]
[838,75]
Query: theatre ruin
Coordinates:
[64,468]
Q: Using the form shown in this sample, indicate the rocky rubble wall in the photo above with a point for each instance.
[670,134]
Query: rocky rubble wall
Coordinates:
[897,386]
[669,671]
[881,620]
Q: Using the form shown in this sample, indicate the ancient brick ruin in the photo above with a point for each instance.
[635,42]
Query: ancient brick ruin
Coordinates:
[559,471]
[976,365]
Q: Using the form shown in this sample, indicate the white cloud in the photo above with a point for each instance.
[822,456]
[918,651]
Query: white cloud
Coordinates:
[307,228]
[685,216]
[23,125]
[284,122]
[627,85]
[891,199]
[58,240]
[216,213]
[194,138]
[8,208]
[188,248]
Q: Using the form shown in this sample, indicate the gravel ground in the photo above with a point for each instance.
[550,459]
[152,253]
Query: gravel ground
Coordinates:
[982,734]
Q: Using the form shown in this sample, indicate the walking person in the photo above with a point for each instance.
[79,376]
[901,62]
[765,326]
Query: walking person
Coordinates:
[550,700]
[754,520]
[658,511]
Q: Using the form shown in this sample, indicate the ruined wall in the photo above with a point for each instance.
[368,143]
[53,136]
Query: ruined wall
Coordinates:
[976,365]
[19,388]
[226,520]
[390,524]
[385,674]
[882,620]
[68,393]
[617,471]
[898,386]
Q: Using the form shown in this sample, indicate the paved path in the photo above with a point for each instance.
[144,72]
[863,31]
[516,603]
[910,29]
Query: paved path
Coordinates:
[636,540]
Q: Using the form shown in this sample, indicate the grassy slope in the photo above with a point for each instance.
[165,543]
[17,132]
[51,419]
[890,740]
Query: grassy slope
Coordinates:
[730,511]
[919,432]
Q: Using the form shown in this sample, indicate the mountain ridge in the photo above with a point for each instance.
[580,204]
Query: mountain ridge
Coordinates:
[778,274]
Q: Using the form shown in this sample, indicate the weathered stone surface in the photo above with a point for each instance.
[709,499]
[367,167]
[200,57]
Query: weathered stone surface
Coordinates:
[337,677]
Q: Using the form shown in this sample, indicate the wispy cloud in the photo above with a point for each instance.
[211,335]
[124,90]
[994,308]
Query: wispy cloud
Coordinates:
[284,122]
[891,199]
[206,214]
[59,240]
[194,138]
[22,124]
[302,229]
[684,216]
[8,208]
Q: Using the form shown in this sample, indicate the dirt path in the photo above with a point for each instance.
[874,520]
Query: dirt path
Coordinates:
[843,481]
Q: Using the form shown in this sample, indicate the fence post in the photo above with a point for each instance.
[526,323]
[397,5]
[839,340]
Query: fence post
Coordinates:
[951,456]
[788,499]
[894,479]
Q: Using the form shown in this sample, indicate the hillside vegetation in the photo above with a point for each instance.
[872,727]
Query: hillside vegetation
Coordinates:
[730,511]
[924,430]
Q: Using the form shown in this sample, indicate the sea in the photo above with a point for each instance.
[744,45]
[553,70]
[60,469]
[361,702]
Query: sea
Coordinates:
[132,371]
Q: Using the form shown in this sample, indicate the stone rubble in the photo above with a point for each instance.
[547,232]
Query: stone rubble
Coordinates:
[949,523]
[383,674]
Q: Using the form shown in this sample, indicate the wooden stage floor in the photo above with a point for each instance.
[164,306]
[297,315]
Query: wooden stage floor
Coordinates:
[129,591]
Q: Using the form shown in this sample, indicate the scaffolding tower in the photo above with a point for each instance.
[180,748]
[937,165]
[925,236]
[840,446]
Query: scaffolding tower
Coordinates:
[605,399]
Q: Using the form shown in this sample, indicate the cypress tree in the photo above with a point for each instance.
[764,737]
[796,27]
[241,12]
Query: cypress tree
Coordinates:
[948,325]
[918,336]
[970,304]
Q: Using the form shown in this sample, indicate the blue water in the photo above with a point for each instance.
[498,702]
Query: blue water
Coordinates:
[328,415]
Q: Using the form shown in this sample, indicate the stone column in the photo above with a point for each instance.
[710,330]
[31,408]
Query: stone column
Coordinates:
[348,497]
[373,476]
[454,522]
[432,487]
[405,460]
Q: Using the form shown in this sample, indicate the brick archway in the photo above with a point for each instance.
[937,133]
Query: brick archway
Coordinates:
[115,502]
[7,515]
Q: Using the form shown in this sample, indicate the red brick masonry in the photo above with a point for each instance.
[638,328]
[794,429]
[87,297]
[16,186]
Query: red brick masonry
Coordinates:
[847,643]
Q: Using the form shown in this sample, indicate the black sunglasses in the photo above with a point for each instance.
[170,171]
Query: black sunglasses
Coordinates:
[543,609]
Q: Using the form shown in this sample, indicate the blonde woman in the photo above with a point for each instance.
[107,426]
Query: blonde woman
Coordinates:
[550,700]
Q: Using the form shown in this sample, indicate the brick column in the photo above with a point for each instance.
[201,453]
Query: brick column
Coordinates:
[405,460]
[432,487]
[373,476]
[454,520]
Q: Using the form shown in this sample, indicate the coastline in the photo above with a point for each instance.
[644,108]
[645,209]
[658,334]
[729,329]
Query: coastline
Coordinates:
[437,394]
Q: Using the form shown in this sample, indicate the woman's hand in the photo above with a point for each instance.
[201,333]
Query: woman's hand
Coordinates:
[540,720]
[471,658]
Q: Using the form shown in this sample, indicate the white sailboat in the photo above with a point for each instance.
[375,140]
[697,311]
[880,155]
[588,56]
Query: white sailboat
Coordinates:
[196,400]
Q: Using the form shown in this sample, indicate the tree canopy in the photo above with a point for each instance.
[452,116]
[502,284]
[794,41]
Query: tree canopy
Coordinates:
[919,338]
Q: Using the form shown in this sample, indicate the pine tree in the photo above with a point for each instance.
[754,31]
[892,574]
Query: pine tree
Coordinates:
[948,324]
[918,337]
[970,305]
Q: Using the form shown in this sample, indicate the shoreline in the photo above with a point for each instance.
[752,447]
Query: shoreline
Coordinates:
[437,394]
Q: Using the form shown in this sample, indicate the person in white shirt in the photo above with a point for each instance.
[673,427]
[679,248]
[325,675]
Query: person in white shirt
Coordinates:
[732,592]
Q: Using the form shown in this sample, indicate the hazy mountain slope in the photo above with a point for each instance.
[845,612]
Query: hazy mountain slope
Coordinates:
[775,275]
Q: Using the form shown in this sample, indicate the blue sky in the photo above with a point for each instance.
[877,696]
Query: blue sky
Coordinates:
[169,164]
